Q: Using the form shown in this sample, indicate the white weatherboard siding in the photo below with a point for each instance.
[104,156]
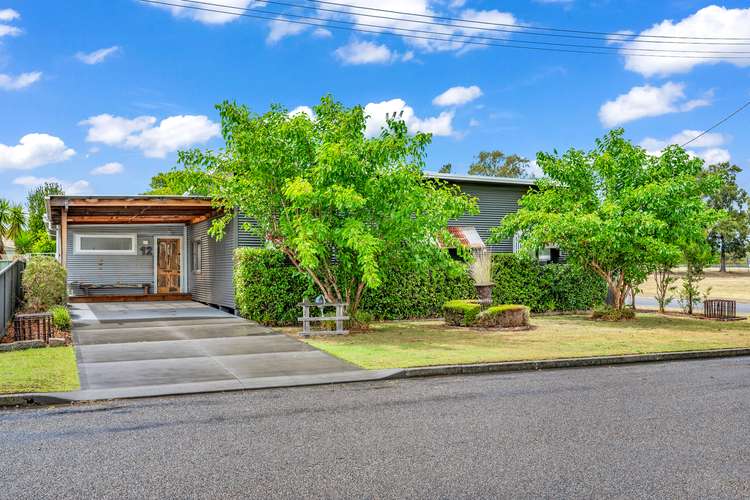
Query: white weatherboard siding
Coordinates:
[111,269]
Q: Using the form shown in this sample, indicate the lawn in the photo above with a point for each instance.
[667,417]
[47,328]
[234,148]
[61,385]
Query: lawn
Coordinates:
[404,344]
[734,284]
[50,369]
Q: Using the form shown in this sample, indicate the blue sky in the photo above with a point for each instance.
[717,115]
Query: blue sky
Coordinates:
[100,95]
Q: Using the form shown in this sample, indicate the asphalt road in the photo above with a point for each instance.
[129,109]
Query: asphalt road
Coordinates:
[671,430]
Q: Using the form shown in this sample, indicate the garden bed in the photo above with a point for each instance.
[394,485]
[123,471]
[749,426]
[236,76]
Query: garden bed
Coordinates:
[404,344]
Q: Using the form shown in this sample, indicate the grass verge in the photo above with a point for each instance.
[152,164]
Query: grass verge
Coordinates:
[405,344]
[50,369]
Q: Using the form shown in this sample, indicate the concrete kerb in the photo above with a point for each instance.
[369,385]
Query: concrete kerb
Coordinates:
[393,374]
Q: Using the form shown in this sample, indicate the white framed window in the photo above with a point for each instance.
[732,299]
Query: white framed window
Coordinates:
[197,254]
[106,244]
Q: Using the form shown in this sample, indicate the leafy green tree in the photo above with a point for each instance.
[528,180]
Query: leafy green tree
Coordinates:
[729,237]
[497,164]
[37,206]
[321,192]
[446,169]
[12,222]
[178,182]
[616,209]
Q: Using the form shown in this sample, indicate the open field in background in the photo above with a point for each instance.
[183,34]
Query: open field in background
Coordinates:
[734,284]
[49,369]
[403,344]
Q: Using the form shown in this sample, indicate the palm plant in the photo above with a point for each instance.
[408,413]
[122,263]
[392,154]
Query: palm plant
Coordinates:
[12,222]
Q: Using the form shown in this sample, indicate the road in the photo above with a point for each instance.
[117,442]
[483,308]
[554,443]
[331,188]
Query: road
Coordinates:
[670,430]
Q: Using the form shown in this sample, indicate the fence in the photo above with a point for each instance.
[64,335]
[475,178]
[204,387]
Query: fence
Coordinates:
[10,292]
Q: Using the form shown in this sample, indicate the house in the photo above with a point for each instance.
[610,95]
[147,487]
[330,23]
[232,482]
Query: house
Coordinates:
[159,247]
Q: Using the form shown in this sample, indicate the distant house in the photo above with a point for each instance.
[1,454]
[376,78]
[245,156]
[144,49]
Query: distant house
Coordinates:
[159,245]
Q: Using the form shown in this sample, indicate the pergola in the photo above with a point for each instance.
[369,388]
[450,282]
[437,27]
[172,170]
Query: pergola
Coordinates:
[70,210]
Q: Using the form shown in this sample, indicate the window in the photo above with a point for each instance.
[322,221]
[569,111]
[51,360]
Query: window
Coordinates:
[197,256]
[106,244]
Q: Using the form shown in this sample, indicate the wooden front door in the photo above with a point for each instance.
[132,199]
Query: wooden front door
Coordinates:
[168,266]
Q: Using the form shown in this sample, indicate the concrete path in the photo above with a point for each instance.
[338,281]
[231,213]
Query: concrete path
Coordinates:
[135,349]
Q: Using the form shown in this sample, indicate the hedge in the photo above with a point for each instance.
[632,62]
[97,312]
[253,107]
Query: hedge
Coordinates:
[461,312]
[268,289]
[520,279]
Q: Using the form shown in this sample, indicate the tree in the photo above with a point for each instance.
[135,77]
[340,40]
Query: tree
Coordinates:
[340,206]
[12,222]
[446,169]
[496,164]
[616,209]
[729,237]
[178,182]
[37,205]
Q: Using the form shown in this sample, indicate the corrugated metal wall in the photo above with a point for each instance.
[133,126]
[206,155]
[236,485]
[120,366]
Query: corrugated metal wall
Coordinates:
[495,202]
[213,285]
[111,269]
[245,238]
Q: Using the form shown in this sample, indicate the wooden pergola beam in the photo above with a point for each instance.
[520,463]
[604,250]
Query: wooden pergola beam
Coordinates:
[133,202]
[129,219]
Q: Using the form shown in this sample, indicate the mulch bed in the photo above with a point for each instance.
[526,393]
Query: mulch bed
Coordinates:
[10,333]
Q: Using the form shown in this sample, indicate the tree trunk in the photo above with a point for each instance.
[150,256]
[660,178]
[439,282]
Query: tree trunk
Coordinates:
[723,262]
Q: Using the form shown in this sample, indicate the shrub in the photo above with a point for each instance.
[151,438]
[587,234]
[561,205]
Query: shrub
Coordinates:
[267,287]
[44,284]
[361,320]
[461,312]
[503,316]
[521,279]
[61,317]
[612,314]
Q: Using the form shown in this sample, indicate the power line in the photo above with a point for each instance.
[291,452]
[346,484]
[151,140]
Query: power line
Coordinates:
[726,118]
[523,26]
[452,37]
[484,26]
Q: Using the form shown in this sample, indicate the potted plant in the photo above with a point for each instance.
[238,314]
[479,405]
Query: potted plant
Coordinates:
[481,273]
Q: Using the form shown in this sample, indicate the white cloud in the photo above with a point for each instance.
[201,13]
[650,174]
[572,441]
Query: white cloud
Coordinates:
[278,29]
[34,150]
[8,82]
[457,96]
[6,30]
[715,155]
[441,125]
[9,15]
[110,168]
[707,145]
[307,110]
[474,122]
[114,130]
[535,170]
[171,134]
[70,188]
[362,52]
[322,33]
[97,56]
[710,22]
[207,17]
[645,101]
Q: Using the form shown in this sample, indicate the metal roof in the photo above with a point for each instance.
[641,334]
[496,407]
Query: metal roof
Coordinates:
[481,179]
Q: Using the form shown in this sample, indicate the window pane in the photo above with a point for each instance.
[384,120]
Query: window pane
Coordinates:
[93,243]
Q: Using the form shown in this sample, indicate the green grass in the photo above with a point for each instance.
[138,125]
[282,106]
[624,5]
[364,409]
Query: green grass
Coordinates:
[406,344]
[50,369]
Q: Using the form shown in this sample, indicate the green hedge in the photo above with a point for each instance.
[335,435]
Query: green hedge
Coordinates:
[268,289]
[461,312]
[520,279]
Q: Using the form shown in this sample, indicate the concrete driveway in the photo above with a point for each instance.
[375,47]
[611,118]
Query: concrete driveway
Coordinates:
[133,349]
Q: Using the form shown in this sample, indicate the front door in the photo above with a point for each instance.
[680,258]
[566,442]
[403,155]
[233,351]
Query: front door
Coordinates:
[168,266]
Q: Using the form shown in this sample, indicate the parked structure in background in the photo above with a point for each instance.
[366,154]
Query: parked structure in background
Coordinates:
[159,245]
